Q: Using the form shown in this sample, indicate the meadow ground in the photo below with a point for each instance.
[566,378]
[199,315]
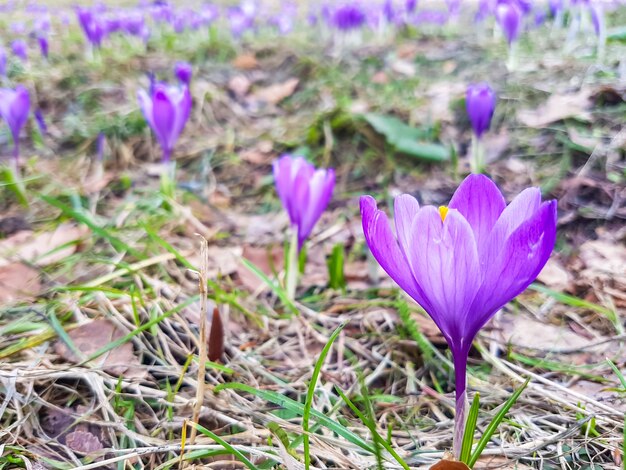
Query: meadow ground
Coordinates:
[99,292]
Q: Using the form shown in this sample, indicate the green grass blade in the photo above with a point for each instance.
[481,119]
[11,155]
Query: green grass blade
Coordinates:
[225,444]
[86,219]
[296,407]
[372,429]
[470,429]
[491,429]
[276,288]
[620,376]
[141,329]
[311,391]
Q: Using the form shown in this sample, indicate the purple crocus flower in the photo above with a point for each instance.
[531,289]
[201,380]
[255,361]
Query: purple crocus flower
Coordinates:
[44,46]
[166,109]
[348,17]
[480,102]
[14,108]
[20,49]
[304,191]
[509,17]
[464,262]
[93,27]
[183,72]
[3,62]
[41,122]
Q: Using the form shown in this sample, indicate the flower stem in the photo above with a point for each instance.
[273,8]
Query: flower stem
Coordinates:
[168,179]
[462,405]
[292,265]
[478,152]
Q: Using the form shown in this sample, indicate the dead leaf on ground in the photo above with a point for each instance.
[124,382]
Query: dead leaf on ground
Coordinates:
[555,276]
[604,260]
[239,85]
[267,260]
[274,94]
[245,62]
[557,108]
[440,98]
[92,336]
[18,282]
[44,248]
[496,145]
[526,332]
[83,442]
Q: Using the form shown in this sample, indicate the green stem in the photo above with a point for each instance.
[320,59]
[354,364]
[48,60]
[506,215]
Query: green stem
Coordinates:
[292,265]
[168,179]
[478,155]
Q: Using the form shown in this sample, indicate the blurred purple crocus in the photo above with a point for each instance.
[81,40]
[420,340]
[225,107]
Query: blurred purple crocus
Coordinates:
[183,72]
[3,62]
[41,122]
[93,27]
[509,17]
[304,191]
[348,17]
[14,108]
[480,101]
[44,46]
[464,262]
[167,110]
[20,49]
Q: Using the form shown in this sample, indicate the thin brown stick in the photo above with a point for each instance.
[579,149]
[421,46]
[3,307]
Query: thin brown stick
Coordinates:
[202,342]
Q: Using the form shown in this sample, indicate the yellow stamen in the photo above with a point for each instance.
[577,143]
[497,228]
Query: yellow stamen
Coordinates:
[443,211]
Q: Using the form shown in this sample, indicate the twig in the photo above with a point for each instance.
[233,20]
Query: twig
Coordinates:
[202,346]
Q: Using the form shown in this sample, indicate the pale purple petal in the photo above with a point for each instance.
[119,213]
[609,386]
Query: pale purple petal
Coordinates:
[405,209]
[480,201]
[444,263]
[385,249]
[524,254]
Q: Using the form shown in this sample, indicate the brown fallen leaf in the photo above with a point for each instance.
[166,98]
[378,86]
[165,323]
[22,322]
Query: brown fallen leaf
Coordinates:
[83,442]
[44,248]
[245,62]
[96,334]
[268,261]
[526,332]
[557,108]
[274,94]
[18,282]
[555,276]
[239,85]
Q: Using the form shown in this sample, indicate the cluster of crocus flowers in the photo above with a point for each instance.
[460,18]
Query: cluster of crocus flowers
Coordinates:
[464,262]
[304,192]
[14,108]
[480,102]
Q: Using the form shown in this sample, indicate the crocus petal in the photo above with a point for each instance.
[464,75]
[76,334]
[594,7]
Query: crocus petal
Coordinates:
[405,209]
[19,109]
[145,103]
[480,201]
[163,116]
[525,253]
[444,262]
[385,249]
[321,190]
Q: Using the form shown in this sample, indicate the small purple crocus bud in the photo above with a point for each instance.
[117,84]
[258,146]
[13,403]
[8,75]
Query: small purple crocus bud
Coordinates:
[14,108]
[100,141]
[597,18]
[43,46]
[304,192]
[555,6]
[183,72]
[3,62]
[41,123]
[509,17]
[410,5]
[20,49]
[167,110]
[480,102]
